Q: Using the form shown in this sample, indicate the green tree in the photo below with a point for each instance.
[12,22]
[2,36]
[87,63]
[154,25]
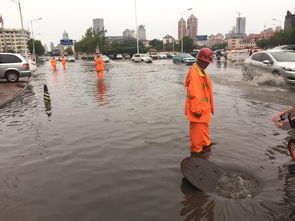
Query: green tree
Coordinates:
[69,51]
[284,37]
[91,41]
[156,44]
[188,44]
[39,49]
[219,46]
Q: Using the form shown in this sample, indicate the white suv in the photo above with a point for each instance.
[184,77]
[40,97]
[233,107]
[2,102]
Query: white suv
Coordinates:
[141,57]
[13,66]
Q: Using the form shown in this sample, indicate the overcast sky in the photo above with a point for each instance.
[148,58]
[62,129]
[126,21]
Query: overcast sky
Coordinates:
[160,17]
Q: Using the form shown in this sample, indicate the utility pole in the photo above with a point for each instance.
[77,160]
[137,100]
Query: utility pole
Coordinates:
[137,44]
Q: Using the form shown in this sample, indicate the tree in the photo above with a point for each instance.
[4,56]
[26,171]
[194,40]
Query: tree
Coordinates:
[188,44]
[91,41]
[39,49]
[219,46]
[284,37]
[69,51]
[156,44]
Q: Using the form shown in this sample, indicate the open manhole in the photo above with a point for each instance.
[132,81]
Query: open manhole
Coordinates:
[235,185]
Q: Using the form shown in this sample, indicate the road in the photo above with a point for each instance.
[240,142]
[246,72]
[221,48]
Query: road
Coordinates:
[111,149]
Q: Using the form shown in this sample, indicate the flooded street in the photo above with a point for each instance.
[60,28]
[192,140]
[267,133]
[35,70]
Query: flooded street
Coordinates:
[111,149]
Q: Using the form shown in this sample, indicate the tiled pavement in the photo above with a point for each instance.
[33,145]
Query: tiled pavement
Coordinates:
[8,91]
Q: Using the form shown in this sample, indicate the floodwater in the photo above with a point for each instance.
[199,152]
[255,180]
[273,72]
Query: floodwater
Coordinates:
[111,149]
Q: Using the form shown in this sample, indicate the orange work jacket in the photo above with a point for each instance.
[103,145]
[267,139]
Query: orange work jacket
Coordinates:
[63,60]
[53,62]
[99,64]
[199,99]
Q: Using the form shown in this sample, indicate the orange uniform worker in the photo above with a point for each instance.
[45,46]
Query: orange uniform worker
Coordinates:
[99,66]
[53,63]
[199,101]
[63,61]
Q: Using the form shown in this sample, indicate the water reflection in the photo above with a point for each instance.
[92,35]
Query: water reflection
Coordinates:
[220,64]
[55,76]
[196,205]
[101,90]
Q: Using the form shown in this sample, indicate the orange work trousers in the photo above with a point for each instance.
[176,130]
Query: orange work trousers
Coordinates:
[54,67]
[99,73]
[64,66]
[200,136]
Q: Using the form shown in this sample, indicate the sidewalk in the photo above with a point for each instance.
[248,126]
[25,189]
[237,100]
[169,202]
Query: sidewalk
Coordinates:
[9,91]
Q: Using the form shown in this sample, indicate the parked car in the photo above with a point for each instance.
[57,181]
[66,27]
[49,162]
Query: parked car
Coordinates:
[170,55]
[111,56]
[277,62]
[184,58]
[162,55]
[119,56]
[105,58]
[41,59]
[136,58]
[154,55]
[71,59]
[146,58]
[13,66]
[126,56]
[141,57]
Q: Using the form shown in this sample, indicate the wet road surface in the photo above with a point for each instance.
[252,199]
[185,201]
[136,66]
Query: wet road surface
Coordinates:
[111,149]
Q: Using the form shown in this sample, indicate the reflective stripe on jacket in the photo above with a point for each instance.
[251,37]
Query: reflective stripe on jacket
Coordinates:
[199,99]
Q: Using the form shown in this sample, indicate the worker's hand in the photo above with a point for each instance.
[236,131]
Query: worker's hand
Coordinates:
[197,115]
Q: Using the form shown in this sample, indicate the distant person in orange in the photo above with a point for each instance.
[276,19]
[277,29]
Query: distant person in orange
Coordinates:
[199,101]
[64,61]
[99,65]
[53,63]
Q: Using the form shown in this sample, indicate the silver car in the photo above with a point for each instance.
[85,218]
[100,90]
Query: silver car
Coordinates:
[13,66]
[278,62]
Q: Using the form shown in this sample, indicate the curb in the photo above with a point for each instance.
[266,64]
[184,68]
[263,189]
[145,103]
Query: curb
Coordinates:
[10,99]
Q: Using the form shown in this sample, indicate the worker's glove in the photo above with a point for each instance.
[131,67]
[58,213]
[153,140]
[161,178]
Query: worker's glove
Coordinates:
[197,115]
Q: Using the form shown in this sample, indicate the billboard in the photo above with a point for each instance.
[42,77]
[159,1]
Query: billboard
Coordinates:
[66,42]
[202,37]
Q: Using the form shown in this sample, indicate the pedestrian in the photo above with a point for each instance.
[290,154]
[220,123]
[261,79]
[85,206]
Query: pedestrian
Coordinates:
[199,101]
[225,55]
[99,65]
[53,63]
[63,61]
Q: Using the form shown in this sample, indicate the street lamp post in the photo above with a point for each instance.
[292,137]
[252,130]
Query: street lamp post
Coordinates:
[22,24]
[33,40]
[274,19]
[137,44]
[182,30]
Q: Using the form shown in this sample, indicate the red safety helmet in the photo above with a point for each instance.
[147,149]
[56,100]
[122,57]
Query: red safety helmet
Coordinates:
[206,54]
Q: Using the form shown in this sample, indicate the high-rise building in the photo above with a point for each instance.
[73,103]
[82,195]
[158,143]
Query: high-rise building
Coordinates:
[45,47]
[98,24]
[65,36]
[141,33]
[51,46]
[289,20]
[181,28]
[14,40]
[127,33]
[192,27]
[241,27]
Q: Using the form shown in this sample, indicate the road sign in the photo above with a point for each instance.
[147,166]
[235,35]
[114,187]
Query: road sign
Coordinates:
[202,37]
[66,42]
